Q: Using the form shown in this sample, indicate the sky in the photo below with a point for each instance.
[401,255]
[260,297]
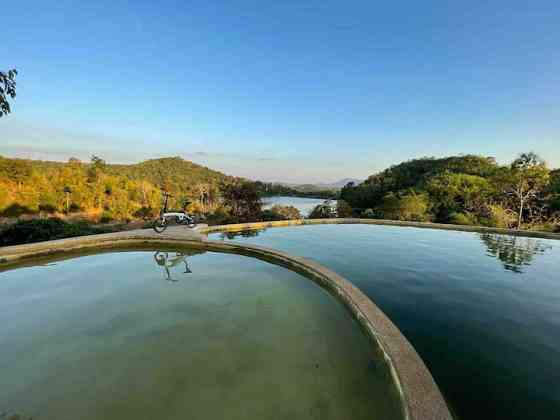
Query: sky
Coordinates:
[293,91]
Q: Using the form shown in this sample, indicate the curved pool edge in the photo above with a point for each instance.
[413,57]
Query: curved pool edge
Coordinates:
[381,222]
[420,395]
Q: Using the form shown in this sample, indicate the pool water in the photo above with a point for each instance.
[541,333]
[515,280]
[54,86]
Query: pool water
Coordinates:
[167,335]
[482,310]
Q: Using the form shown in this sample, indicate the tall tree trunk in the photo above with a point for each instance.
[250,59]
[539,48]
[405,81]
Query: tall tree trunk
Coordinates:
[520,215]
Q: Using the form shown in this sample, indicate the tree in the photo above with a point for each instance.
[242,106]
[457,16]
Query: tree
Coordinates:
[458,193]
[243,199]
[7,89]
[96,168]
[278,212]
[411,206]
[524,181]
[343,209]
[322,211]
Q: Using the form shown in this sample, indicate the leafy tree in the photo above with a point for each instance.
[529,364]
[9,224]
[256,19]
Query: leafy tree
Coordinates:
[278,212]
[343,209]
[524,181]
[458,192]
[322,211]
[95,169]
[243,199]
[412,206]
[7,89]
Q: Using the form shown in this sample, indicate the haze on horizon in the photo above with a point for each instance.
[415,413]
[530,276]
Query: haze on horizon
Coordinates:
[283,91]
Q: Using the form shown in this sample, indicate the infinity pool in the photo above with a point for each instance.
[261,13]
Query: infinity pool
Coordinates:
[482,310]
[170,335]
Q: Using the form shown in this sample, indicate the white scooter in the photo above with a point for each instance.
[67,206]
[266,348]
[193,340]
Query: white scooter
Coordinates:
[166,216]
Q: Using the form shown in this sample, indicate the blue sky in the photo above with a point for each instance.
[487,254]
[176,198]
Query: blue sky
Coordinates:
[286,91]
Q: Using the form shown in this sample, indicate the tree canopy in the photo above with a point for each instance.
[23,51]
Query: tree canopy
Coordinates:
[7,90]
[463,189]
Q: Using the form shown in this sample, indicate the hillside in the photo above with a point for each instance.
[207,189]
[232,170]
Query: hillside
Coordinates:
[102,190]
[464,190]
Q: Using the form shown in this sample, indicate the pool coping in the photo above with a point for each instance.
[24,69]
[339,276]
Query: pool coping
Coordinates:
[381,222]
[420,395]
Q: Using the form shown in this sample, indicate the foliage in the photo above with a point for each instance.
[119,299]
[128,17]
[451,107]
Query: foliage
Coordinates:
[278,212]
[455,192]
[463,189]
[411,206]
[7,89]
[27,231]
[305,190]
[462,219]
[525,181]
[500,217]
[343,209]
[322,211]
[370,214]
[100,190]
[243,200]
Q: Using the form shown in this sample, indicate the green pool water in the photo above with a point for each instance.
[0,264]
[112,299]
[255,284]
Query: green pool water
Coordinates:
[482,310]
[145,335]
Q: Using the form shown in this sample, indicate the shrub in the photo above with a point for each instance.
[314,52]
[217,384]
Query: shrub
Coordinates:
[500,217]
[16,210]
[343,209]
[106,217]
[322,211]
[412,206]
[369,214]
[462,219]
[27,231]
[278,212]
[144,213]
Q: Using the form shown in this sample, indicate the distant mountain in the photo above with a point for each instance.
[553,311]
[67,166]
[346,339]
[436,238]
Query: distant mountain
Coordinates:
[339,184]
[322,186]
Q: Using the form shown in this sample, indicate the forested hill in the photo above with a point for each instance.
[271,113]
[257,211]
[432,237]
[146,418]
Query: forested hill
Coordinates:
[462,189]
[175,171]
[100,189]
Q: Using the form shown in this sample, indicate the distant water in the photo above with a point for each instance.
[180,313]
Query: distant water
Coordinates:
[483,310]
[304,205]
[144,335]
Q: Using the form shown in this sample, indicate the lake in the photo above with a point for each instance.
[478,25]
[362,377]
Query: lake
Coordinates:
[303,204]
[482,310]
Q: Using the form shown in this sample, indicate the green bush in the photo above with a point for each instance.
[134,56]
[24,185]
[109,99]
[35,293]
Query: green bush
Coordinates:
[278,212]
[411,206]
[322,211]
[28,231]
[16,210]
[343,209]
[369,214]
[106,217]
[462,219]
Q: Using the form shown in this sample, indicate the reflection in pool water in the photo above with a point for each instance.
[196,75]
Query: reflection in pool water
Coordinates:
[248,233]
[515,252]
[166,261]
[483,311]
[103,337]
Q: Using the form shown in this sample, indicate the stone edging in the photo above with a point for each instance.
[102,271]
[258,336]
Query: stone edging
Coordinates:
[384,222]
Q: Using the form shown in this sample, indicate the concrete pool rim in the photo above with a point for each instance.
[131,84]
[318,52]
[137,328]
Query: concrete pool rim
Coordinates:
[420,395]
[378,222]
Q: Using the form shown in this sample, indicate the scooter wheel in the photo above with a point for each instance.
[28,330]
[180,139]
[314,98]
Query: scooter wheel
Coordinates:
[160,224]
